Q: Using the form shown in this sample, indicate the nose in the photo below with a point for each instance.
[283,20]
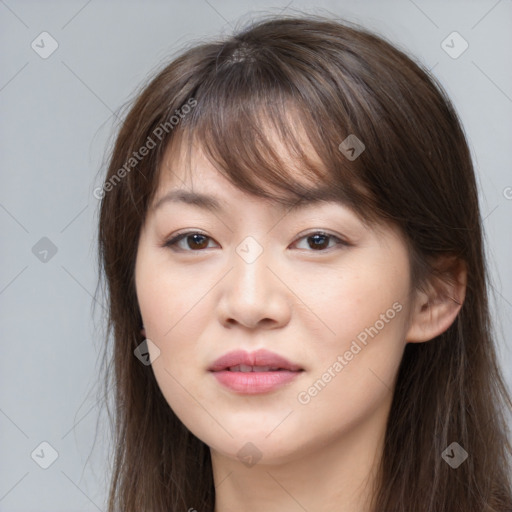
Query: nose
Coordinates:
[254,295]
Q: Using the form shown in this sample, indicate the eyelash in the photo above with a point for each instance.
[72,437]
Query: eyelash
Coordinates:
[172,243]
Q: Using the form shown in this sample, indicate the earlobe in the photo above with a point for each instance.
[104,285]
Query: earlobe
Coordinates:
[435,310]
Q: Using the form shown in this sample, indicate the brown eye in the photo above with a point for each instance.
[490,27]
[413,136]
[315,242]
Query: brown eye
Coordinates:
[319,241]
[194,241]
[198,241]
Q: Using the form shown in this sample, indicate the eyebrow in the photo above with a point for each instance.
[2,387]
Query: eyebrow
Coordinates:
[211,203]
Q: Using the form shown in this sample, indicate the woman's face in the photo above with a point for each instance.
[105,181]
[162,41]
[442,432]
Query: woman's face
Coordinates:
[256,278]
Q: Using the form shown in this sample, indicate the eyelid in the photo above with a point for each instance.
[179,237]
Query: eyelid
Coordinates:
[338,239]
[177,237]
[172,242]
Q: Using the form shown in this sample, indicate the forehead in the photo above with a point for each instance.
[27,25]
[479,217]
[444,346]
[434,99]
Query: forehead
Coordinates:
[188,148]
[198,182]
[274,161]
[186,167]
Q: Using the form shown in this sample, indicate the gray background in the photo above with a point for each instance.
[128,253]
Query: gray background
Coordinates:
[57,115]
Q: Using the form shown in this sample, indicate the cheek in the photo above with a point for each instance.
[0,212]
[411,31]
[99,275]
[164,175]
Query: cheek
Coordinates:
[365,299]
[174,318]
[358,350]
[169,300]
[352,379]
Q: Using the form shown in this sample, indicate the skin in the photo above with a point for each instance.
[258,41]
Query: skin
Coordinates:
[303,303]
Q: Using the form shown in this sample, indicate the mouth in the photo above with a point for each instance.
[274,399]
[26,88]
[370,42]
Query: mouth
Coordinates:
[247,368]
[260,361]
[253,373]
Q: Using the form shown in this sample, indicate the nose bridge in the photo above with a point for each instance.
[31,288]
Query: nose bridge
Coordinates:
[252,293]
[250,266]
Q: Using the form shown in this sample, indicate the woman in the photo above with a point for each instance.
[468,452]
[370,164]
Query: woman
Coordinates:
[292,244]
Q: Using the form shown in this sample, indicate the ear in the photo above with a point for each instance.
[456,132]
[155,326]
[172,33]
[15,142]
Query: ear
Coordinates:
[436,308]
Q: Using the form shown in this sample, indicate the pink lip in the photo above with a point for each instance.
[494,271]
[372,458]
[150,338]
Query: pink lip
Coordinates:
[259,358]
[254,382]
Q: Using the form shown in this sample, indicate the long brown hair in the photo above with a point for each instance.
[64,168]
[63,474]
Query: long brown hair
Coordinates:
[333,79]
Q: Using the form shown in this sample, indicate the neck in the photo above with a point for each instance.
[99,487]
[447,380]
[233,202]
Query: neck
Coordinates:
[339,475]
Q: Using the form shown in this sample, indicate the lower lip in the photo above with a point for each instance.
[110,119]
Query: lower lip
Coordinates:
[251,383]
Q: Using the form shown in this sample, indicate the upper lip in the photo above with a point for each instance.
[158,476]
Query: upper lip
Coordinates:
[259,358]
